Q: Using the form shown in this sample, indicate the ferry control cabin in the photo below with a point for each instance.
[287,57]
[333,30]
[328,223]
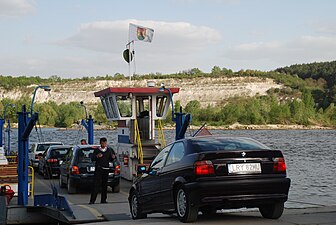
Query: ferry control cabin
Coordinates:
[139,111]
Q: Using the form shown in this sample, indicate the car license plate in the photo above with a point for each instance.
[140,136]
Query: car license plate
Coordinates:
[244,168]
[91,169]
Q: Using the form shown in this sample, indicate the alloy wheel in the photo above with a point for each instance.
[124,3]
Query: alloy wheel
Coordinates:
[134,204]
[181,202]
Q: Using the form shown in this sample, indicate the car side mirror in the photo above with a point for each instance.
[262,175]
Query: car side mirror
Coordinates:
[142,169]
[152,172]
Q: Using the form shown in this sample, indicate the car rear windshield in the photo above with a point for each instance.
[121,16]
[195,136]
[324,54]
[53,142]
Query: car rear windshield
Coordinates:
[43,147]
[84,155]
[222,144]
[58,153]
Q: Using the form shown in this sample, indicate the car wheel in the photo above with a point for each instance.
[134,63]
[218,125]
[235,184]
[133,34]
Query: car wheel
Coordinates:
[71,187]
[116,188]
[185,211]
[208,211]
[272,211]
[61,184]
[135,207]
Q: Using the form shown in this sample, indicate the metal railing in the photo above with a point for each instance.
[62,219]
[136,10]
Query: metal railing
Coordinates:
[161,137]
[32,181]
[11,177]
[12,159]
[137,140]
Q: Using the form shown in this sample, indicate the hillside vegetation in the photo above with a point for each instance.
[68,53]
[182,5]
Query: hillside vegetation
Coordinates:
[298,94]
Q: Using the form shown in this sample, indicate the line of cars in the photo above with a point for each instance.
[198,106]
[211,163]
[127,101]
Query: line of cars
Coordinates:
[71,164]
[194,175]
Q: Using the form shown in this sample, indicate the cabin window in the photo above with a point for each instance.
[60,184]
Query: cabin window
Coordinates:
[142,107]
[124,105]
[160,105]
[110,107]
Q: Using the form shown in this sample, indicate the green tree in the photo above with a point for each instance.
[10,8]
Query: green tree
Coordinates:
[216,70]
[194,108]
[99,114]
[47,113]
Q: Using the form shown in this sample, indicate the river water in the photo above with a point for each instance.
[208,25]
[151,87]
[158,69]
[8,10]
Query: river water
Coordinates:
[310,157]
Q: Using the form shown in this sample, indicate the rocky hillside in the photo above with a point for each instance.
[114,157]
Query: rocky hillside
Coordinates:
[206,90]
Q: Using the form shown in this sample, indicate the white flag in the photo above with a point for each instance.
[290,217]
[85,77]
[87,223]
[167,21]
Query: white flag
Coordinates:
[139,33]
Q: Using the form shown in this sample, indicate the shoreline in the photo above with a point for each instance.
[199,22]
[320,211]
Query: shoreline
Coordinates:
[235,126]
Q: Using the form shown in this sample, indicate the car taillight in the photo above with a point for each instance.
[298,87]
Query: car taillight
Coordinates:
[74,170]
[204,168]
[117,169]
[279,165]
[52,160]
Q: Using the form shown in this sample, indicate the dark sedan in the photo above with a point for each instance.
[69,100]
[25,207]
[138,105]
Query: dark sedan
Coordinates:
[77,170]
[210,173]
[49,163]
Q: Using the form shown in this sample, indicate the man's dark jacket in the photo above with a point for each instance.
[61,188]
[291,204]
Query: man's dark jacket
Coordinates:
[104,161]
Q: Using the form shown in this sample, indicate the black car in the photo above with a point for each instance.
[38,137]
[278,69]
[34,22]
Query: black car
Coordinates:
[49,163]
[210,173]
[77,170]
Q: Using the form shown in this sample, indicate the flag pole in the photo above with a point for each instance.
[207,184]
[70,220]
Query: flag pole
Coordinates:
[134,65]
[129,57]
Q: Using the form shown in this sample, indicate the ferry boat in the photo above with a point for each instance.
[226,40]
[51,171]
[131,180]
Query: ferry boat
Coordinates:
[138,112]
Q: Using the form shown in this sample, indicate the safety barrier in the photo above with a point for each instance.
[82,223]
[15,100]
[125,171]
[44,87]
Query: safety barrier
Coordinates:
[9,176]
[161,137]
[12,159]
[32,181]
[137,140]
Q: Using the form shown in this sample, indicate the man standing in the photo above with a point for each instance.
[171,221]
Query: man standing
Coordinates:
[102,156]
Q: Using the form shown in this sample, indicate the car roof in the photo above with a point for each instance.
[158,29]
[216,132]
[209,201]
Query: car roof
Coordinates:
[48,142]
[86,146]
[216,137]
[59,146]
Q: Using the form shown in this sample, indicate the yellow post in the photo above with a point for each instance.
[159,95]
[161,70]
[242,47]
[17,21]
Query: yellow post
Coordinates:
[32,183]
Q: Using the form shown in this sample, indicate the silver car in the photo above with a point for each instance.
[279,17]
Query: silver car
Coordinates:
[36,150]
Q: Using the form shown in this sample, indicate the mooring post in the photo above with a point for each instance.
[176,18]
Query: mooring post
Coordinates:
[2,121]
[88,124]
[22,159]
[25,126]
[90,130]
[8,135]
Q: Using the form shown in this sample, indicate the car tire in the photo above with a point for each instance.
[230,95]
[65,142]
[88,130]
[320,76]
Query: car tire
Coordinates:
[185,211]
[208,211]
[71,187]
[116,188]
[135,208]
[61,184]
[272,211]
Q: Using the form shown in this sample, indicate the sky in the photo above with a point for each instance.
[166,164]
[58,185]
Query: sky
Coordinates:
[78,38]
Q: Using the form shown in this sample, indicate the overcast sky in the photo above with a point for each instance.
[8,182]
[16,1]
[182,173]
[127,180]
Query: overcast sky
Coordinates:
[76,38]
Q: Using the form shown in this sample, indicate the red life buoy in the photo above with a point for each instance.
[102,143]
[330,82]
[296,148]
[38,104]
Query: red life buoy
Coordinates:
[9,193]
